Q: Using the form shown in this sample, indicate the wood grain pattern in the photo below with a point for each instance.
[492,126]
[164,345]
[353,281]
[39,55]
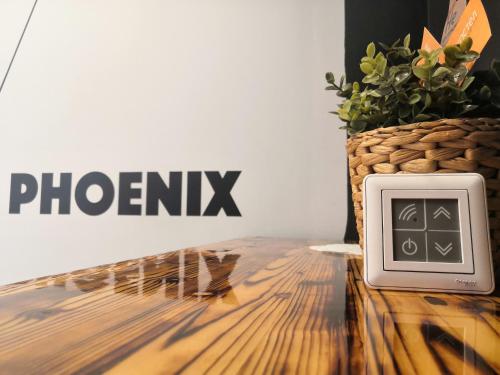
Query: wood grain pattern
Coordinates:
[247,306]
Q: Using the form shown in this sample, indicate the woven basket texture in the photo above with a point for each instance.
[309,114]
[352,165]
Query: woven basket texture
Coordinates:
[441,146]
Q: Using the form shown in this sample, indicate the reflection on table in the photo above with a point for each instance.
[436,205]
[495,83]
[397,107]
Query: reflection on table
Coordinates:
[253,306]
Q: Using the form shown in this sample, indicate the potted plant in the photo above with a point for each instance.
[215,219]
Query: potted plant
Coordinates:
[422,112]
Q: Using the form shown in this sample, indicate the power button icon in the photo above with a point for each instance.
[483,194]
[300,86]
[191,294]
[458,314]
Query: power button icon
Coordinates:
[409,247]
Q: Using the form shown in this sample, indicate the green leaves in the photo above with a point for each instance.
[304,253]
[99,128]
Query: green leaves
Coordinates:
[373,66]
[330,78]
[370,50]
[460,53]
[366,68]
[380,64]
[357,126]
[401,86]
[440,72]
[466,83]
[484,92]
[495,67]
[406,42]
[344,90]
[427,101]
[466,44]
[414,99]
[422,72]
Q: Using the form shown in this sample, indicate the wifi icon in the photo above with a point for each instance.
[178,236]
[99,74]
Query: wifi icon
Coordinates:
[408,212]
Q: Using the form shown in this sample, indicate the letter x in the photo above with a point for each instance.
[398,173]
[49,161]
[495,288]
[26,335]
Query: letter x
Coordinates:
[222,198]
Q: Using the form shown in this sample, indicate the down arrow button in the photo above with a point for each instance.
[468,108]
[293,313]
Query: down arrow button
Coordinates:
[444,246]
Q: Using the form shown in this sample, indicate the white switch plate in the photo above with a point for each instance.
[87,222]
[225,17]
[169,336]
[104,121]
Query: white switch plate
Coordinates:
[427,232]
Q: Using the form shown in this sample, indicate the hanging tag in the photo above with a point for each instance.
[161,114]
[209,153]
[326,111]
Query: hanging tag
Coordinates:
[455,10]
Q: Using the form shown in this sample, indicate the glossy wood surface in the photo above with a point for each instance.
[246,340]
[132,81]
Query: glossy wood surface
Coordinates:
[248,306]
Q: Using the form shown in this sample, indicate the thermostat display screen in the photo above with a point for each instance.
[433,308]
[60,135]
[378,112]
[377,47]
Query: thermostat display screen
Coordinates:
[426,230]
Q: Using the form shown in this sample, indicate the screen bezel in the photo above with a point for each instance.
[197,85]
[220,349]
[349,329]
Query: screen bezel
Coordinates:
[390,264]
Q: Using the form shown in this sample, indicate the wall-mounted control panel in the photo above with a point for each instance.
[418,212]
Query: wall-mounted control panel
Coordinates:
[427,232]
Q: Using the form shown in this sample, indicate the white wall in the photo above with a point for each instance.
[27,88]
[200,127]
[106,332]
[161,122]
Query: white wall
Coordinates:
[162,85]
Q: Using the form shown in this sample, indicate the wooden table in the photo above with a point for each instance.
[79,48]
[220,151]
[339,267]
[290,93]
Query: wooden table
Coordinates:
[250,306]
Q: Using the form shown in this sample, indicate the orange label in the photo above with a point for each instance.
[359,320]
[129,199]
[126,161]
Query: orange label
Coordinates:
[474,23]
[429,43]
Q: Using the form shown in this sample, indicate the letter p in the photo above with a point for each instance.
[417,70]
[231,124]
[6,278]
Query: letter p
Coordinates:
[23,189]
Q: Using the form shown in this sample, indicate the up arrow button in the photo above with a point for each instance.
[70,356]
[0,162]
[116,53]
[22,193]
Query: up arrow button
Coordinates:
[442,214]
[442,211]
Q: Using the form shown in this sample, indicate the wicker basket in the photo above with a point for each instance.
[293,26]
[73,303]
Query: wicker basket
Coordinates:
[442,146]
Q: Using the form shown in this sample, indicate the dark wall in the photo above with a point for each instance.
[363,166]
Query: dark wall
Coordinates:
[387,20]
[379,21]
